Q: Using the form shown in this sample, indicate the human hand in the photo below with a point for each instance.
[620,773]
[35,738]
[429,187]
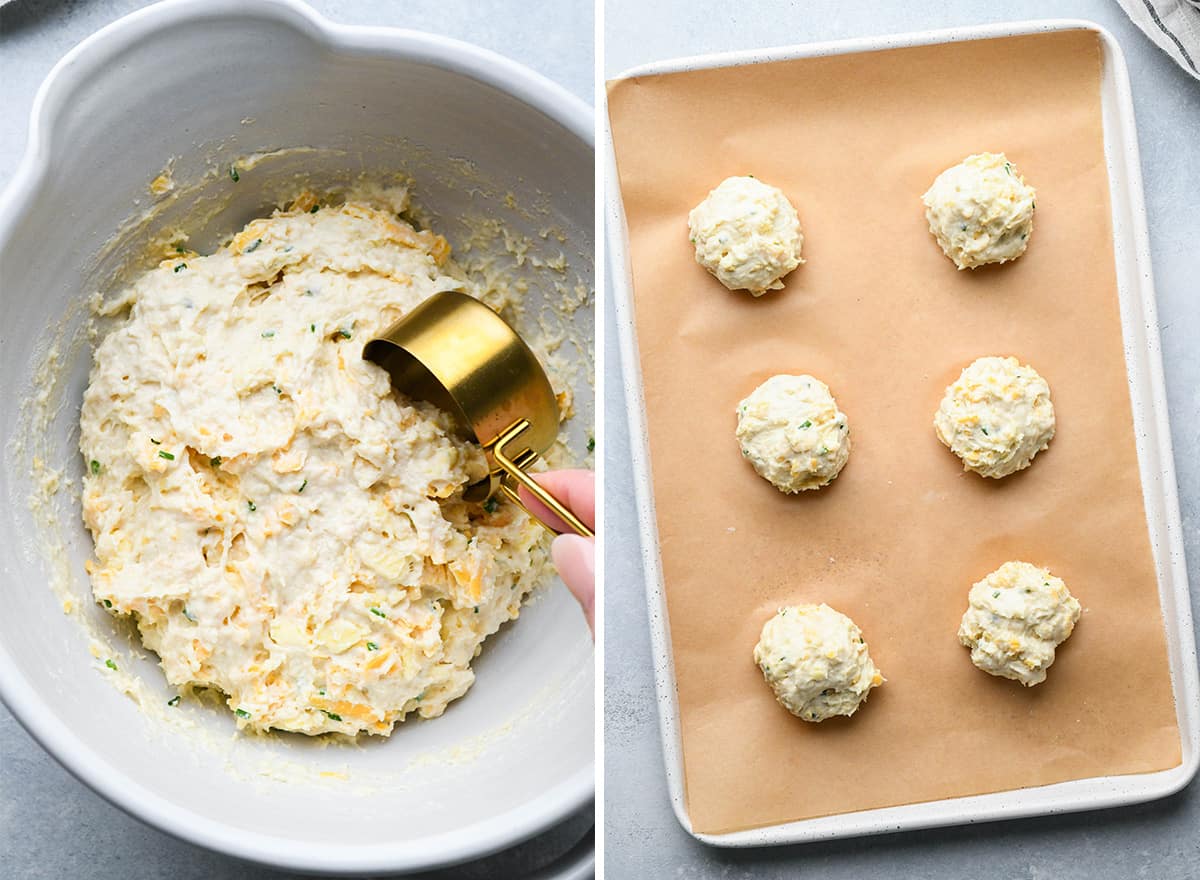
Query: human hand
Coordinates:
[574,556]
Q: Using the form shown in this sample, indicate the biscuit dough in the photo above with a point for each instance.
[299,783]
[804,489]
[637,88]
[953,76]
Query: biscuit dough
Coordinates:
[980,211]
[792,432]
[747,234]
[996,416]
[1018,615]
[281,526]
[816,661]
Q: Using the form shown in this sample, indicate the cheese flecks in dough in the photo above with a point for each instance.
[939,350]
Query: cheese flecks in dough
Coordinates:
[792,432]
[747,234]
[996,416]
[282,526]
[980,211]
[1018,615]
[816,661]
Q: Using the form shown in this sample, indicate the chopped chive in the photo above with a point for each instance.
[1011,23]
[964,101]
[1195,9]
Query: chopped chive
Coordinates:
[312,328]
[591,446]
[267,334]
[156,442]
[179,249]
[302,485]
[476,609]
[807,423]
[996,595]
[241,713]
[110,664]
[344,333]
[277,389]
[253,246]
[253,507]
[982,428]
[174,701]
[333,716]
[215,461]
[314,209]
[108,603]
[95,466]
[491,505]
[180,267]
[377,612]
[169,456]
[189,615]
[421,696]
[371,646]
[233,173]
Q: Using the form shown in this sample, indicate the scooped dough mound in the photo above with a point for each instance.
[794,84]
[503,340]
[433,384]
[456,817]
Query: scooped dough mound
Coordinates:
[980,211]
[281,525]
[816,662]
[996,416]
[1018,615]
[747,234]
[792,432]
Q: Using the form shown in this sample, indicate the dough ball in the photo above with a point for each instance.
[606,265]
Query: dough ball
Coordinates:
[791,430]
[980,211]
[816,662]
[747,234]
[996,416]
[1018,615]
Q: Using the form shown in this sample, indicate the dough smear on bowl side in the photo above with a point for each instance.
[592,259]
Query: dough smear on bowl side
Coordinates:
[747,234]
[816,662]
[793,434]
[980,211]
[281,525]
[996,416]
[1018,615]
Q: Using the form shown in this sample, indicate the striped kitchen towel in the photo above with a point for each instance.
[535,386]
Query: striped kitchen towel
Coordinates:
[1173,24]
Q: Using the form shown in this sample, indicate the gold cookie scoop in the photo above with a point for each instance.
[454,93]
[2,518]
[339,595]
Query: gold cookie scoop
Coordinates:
[456,353]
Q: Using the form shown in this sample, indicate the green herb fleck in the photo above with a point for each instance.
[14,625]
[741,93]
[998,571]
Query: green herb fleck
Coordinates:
[476,609]
[377,612]
[333,716]
[267,334]
[591,446]
[95,466]
[169,456]
[302,485]
[982,428]
[371,646]
[108,603]
[321,692]
[344,333]
[277,389]
[215,461]
[180,267]
[1008,167]
[308,291]
[996,595]
[189,615]
[253,507]
[233,173]
[314,209]
[807,423]
[110,664]
[421,696]
[179,249]
[156,442]
[253,246]
[312,328]
[241,713]
[491,505]
[174,701]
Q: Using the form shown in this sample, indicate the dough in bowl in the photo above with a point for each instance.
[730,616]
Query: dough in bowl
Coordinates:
[747,234]
[281,525]
[996,416]
[816,661]
[792,432]
[1018,615]
[980,211]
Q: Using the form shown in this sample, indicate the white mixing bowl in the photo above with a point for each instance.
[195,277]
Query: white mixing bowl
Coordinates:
[191,86]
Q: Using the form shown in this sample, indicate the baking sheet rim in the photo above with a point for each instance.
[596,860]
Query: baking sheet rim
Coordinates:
[1137,301]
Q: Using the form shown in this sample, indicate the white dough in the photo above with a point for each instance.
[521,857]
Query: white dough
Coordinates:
[1018,615]
[747,234]
[792,432]
[816,661]
[280,524]
[980,211]
[996,416]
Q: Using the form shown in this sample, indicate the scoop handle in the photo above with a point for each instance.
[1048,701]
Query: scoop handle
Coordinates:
[516,470]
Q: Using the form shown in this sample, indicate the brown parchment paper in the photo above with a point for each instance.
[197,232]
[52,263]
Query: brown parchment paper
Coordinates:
[884,318]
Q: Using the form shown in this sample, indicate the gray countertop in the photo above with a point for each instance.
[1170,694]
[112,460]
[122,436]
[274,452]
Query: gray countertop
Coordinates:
[51,825]
[1160,840]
